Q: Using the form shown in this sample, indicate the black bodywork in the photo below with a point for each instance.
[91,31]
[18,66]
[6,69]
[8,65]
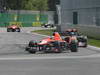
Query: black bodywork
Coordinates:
[82,40]
[47,25]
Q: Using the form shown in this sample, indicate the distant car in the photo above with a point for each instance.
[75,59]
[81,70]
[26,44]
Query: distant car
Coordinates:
[82,40]
[13,28]
[47,25]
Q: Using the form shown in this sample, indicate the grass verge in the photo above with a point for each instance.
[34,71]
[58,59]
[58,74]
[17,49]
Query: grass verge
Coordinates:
[92,42]
[44,32]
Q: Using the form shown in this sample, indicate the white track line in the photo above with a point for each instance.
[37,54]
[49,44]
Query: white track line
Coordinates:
[51,57]
[93,47]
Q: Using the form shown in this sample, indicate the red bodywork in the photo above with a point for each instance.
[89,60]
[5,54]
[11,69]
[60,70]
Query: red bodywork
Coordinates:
[56,37]
[13,26]
[54,44]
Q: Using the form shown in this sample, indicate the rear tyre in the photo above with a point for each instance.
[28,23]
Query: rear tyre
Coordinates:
[52,26]
[32,51]
[73,47]
[85,45]
[45,26]
[17,30]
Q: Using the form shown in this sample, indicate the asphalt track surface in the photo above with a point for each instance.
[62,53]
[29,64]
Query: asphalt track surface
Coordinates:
[14,60]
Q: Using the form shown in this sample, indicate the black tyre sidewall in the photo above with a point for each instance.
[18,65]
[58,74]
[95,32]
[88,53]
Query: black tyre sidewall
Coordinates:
[73,47]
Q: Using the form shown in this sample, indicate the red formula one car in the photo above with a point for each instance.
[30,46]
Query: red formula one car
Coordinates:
[13,28]
[55,44]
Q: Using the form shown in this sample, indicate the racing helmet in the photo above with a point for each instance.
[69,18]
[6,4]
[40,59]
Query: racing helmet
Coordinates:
[74,30]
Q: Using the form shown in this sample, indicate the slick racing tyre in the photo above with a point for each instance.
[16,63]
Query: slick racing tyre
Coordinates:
[32,43]
[73,47]
[46,26]
[9,30]
[30,50]
[85,45]
[17,30]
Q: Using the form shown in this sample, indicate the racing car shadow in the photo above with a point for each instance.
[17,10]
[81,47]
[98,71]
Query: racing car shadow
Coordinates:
[12,49]
[51,52]
[13,53]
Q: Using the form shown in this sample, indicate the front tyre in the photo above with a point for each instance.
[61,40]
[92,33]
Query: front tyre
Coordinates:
[30,50]
[32,43]
[9,30]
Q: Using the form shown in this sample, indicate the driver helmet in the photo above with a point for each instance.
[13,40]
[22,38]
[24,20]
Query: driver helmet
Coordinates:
[74,30]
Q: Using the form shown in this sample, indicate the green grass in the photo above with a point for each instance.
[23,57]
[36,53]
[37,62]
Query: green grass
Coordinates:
[44,32]
[92,42]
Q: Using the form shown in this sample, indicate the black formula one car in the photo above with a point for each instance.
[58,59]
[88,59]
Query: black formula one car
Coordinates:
[13,28]
[82,40]
[47,25]
[55,44]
